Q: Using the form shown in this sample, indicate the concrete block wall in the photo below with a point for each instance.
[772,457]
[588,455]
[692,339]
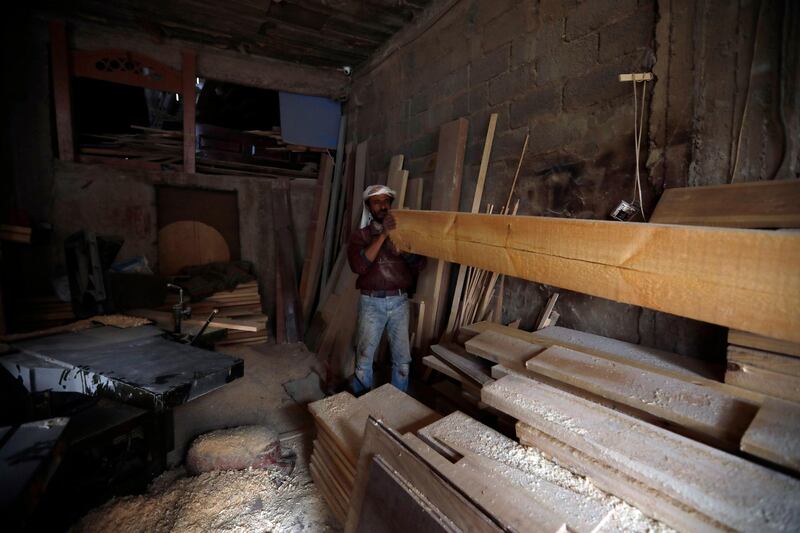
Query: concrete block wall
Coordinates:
[549,69]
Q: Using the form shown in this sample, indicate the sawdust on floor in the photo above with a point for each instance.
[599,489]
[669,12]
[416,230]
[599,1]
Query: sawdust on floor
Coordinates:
[232,501]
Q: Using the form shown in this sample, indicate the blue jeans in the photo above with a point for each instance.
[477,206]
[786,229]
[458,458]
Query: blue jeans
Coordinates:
[375,314]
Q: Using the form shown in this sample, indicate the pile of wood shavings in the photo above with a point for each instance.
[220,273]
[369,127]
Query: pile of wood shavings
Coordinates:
[247,500]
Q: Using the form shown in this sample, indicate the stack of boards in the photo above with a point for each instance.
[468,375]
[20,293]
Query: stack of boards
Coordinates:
[653,428]
[239,313]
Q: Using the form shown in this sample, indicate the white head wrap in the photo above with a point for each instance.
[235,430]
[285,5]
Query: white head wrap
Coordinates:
[373,190]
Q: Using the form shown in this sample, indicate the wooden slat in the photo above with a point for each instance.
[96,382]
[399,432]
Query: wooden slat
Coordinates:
[433,362]
[445,195]
[476,207]
[358,186]
[452,502]
[495,465]
[708,413]
[764,381]
[62,92]
[782,364]
[414,193]
[503,349]
[774,434]
[455,357]
[397,180]
[284,239]
[745,279]
[751,340]
[188,78]
[722,487]
[164,320]
[312,263]
[759,204]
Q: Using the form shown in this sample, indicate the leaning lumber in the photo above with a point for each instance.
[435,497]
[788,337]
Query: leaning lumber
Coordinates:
[722,490]
[751,340]
[761,204]
[774,434]
[745,279]
[707,413]
[460,361]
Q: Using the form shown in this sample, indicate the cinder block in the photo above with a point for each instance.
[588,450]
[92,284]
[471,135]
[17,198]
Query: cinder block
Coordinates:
[556,133]
[509,85]
[490,65]
[523,50]
[600,85]
[629,34]
[550,10]
[508,145]
[506,27]
[420,102]
[567,59]
[478,98]
[461,104]
[540,102]
[593,15]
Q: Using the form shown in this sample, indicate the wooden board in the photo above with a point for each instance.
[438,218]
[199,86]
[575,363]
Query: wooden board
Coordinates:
[434,363]
[414,189]
[312,263]
[358,186]
[751,340]
[724,488]
[763,381]
[391,504]
[782,364]
[445,195]
[687,271]
[397,180]
[488,464]
[344,416]
[476,207]
[187,243]
[612,349]
[759,204]
[164,320]
[774,434]
[324,487]
[189,104]
[285,262]
[62,91]
[503,349]
[460,361]
[707,413]
[437,490]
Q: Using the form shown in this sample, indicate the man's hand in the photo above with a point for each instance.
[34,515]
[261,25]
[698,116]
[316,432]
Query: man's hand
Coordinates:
[389,223]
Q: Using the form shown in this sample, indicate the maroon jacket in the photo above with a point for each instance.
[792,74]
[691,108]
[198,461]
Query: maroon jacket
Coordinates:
[390,270]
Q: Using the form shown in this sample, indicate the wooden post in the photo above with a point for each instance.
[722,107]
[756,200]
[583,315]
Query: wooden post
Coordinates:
[62,94]
[189,76]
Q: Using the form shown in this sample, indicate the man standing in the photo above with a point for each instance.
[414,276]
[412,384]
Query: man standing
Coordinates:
[384,277]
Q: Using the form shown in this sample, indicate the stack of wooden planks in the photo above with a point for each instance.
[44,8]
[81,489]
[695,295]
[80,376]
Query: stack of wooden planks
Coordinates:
[651,427]
[340,421]
[151,146]
[15,233]
[239,313]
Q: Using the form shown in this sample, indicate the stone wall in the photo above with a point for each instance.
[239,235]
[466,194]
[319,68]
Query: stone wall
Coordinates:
[549,69]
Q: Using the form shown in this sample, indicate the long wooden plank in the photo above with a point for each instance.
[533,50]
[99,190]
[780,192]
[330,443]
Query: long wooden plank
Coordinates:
[725,488]
[431,361]
[189,94]
[515,472]
[312,263]
[759,204]
[414,189]
[751,340]
[436,489]
[648,500]
[358,186]
[761,380]
[782,364]
[445,195]
[323,484]
[745,279]
[476,207]
[397,180]
[285,263]
[503,349]
[164,320]
[62,91]
[774,434]
[708,413]
[612,349]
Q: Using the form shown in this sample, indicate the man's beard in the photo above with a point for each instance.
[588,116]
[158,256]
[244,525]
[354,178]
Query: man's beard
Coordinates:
[379,215]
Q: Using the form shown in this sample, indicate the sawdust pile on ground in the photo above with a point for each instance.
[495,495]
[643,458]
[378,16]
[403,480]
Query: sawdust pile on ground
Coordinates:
[233,449]
[246,500]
